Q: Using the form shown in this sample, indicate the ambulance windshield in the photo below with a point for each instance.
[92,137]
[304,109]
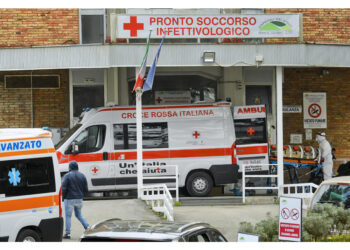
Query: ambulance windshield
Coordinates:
[250,131]
[68,135]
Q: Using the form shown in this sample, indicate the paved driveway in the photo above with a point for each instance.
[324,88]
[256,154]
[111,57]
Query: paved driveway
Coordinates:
[224,218]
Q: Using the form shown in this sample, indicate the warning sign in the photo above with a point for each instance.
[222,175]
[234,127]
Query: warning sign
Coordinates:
[315,110]
[290,219]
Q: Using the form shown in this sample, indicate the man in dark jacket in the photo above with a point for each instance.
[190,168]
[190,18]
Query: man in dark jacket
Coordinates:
[74,187]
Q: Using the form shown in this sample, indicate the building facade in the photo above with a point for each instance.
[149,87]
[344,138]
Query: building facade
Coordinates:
[55,62]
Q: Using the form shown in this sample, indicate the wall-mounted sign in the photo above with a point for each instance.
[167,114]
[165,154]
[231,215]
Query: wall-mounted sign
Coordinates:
[315,110]
[208,26]
[296,138]
[292,109]
[172,97]
[290,219]
[308,134]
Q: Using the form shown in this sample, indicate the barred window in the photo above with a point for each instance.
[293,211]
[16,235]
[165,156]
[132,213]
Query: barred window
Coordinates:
[154,135]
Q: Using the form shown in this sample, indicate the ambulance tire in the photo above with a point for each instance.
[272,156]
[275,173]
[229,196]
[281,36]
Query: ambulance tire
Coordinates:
[28,235]
[199,184]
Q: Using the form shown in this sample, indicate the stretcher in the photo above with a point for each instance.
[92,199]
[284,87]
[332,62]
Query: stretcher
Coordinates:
[293,165]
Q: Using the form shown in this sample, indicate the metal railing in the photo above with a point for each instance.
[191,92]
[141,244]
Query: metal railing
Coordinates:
[174,176]
[300,190]
[158,195]
[305,191]
[244,176]
[160,199]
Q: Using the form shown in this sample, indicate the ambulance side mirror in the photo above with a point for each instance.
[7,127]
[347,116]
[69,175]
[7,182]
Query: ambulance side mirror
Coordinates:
[75,148]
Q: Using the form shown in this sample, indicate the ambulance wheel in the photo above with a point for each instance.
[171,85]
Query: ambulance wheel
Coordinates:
[199,184]
[28,235]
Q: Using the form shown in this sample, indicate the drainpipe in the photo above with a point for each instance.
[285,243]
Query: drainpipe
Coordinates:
[279,89]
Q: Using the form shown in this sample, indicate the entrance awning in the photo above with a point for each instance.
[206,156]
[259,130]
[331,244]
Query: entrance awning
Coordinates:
[174,55]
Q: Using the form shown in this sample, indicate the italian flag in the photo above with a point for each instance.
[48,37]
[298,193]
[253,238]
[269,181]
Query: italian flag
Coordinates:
[141,75]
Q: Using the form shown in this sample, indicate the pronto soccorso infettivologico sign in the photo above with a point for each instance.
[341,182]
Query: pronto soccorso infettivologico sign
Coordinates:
[209,26]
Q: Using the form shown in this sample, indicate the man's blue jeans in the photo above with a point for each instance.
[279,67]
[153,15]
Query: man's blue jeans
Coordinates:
[69,206]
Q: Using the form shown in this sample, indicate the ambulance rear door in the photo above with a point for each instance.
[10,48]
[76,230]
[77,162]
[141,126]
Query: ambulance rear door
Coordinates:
[251,137]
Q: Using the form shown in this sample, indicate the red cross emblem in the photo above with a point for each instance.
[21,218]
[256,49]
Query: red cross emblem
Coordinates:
[95,170]
[196,134]
[250,131]
[133,26]
[159,99]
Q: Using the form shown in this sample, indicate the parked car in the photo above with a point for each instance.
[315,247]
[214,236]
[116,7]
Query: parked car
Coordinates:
[116,230]
[335,191]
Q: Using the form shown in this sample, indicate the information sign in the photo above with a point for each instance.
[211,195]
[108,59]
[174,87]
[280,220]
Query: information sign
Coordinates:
[315,110]
[290,219]
[245,237]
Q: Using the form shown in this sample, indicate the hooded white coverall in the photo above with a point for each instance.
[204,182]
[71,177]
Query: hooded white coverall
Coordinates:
[326,154]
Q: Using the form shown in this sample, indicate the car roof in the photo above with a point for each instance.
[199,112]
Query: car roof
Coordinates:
[342,179]
[133,229]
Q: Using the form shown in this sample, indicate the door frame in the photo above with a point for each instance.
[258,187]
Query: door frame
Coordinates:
[71,84]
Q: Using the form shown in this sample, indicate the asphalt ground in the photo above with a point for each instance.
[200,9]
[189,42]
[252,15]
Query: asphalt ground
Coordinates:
[225,218]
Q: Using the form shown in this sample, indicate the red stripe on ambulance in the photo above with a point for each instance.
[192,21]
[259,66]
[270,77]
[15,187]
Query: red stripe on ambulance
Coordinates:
[160,154]
[252,150]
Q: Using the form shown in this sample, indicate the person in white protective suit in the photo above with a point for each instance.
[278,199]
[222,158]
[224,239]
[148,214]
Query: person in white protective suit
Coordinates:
[326,154]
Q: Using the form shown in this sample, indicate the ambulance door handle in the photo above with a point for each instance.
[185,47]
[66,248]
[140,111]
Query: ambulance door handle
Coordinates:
[105,156]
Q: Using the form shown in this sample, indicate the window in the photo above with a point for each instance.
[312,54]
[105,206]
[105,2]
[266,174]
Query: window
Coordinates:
[92,26]
[67,136]
[91,139]
[200,88]
[336,194]
[32,81]
[28,176]
[250,131]
[154,135]
[87,96]
[217,237]
[199,237]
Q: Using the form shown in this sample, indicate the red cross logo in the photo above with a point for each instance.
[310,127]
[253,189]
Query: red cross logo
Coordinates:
[159,99]
[95,170]
[196,134]
[250,131]
[133,26]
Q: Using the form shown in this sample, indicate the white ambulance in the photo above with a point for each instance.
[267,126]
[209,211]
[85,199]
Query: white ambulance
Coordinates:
[199,139]
[30,200]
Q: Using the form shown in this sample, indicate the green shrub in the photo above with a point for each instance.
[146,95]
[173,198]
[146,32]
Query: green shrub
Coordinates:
[325,222]
[267,229]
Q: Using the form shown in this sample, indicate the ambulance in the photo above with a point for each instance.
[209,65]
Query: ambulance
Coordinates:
[30,199]
[198,138]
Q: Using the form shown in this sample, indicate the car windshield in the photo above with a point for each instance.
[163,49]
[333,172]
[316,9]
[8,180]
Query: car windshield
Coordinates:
[333,193]
[69,133]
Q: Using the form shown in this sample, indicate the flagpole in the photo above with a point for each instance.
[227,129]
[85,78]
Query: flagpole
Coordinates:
[139,140]
[140,79]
